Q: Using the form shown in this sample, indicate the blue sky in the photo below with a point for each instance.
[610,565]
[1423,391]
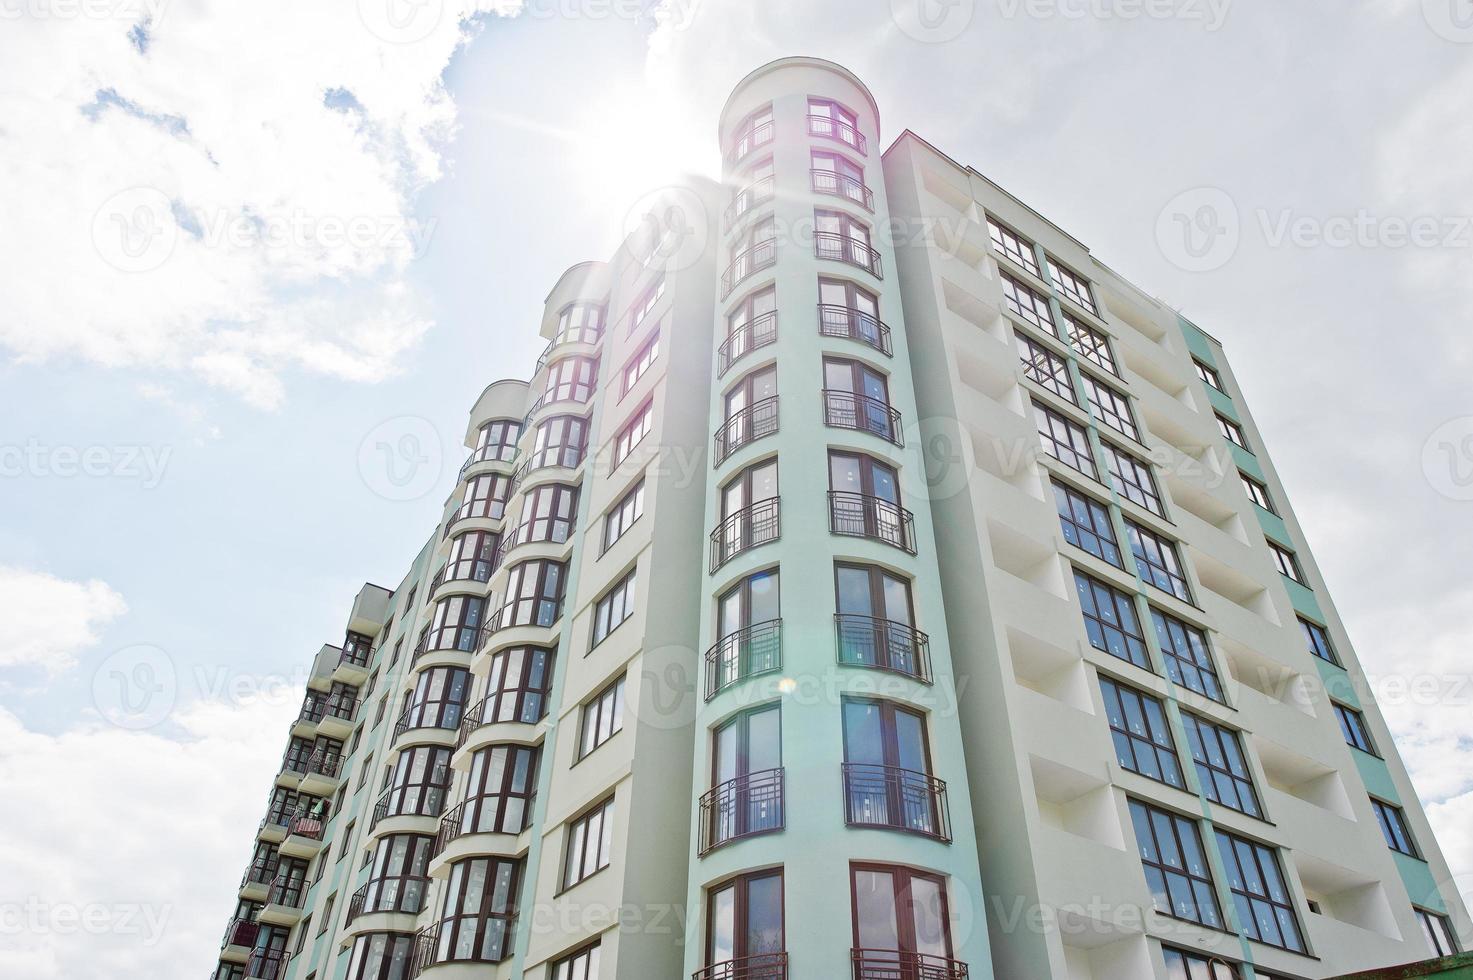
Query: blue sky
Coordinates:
[518,140]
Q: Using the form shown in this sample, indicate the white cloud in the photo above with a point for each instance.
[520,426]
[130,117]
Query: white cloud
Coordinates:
[48,619]
[107,832]
[186,203]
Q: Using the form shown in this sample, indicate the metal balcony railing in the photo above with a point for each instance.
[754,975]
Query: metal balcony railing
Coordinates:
[757,420]
[414,800]
[742,807]
[758,192]
[288,891]
[472,817]
[259,874]
[356,651]
[443,715]
[399,893]
[896,799]
[748,262]
[845,248]
[889,964]
[883,644]
[500,452]
[747,652]
[463,570]
[842,185]
[756,333]
[763,966]
[749,139]
[847,410]
[859,515]
[313,708]
[266,964]
[835,129]
[549,457]
[341,706]
[748,528]
[847,322]
[323,764]
[523,705]
[306,826]
[577,335]
[240,932]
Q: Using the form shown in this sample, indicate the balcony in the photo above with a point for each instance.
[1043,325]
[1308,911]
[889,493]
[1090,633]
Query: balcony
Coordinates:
[844,248]
[763,966]
[538,530]
[255,884]
[352,665]
[744,530]
[414,800]
[756,193]
[472,817]
[267,964]
[313,707]
[889,964]
[839,131]
[549,457]
[858,515]
[238,941]
[747,263]
[525,706]
[749,424]
[457,639]
[748,652]
[852,324]
[742,807]
[339,716]
[842,185]
[575,394]
[755,334]
[320,777]
[494,453]
[578,335]
[435,715]
[428,949]
[847,410]
[402,894]
[896,799]
[883,644]
[303,838]
[748,140]
[284,905]
[462,570]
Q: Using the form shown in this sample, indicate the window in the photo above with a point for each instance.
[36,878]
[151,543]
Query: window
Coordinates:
[1042,366]
[346,842]
[876,622]
[1092,345]
[1286,562]
[485,496]
[1132,479]
[560,441]
[456,624]
[1439,932]
[748,630]
[1188,656]
[752,132]
[1086,524]
[746,794]
[1257,492]
[398,649]
[887,770]
[517,686]
[1394,828]
[1183,965]
[1074,286]
[1222,768]
[633,433]
[498,794]
[1157,560]
[613,608]
[590,843]
[1209,375]
[1110,621]
[439,699]
[548,513]
[836,174]
[398,882]
[1011,244]
[1319,641]
[1032,307]
[580,323]
[744,923]
[900,916]
[1175,864]
[832,120]
[480,907]
[755,187]
[851,311]
[497,439]
[1110,407]
[302,931]
[750,412]
[1232,432]
[603,717]
[640,363]
[629,509]
[570,379]
[1142,737]
[1265,907]
[645,304]
[844,238]
[582,965]
[365,772]
[379,956]
[750,514]
[856,396]
[534,594]
[751,325]
[420,779]
[1065,441]
[1353,727]
[864,500]
[409,601]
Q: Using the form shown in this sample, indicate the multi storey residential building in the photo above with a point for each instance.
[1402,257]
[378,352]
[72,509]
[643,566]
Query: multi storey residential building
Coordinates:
[869,583]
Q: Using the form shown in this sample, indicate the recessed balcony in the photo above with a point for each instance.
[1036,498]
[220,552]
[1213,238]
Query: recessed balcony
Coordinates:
[284,904]
[321,775]
[892,798]
[755,334]
[850,188]
[839,247]
[889,964]
[339,716]
[749,139]
[746,806]
[848,410]
[313,707]
[255,884]
[757,193]
[852,324]
[858,515]
[238,941]
[352,667]
[748,528]
[402,894]
[827,127]
[763,966]
[883,644]
[303,838]
[748,652]
[758,420]
[272,828]
[747,263]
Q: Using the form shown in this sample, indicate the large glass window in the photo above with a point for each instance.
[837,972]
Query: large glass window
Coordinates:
[471,556]
[560,441]
[1132,479]
[485,496]
[744,923]
[602,718]
[749,512]
[579,965]
[1086,524]
[1232,432]
[1157,560]
[457,623]
[746,777]
[1045,368]
[1032,307]
[629,509]
[498,794]
[1286,562]
[1188,656]
[1438,931]
[613,607]
[856,396]
[590,844]
[378,956]
[645,304]
[901,921]
[1110,407]
[887,769]
[1176,866]
[1065,440]
[844,238]
[849,310]
[634,432]
[497,439]
[748,627]
[751,325]
[1265,908]
[1142,737]
[1072,285]
[1353,727]
[534,594]
[1184,965]
[750,412]
[480,906]
[833,121]
[398,881]
[1092,345]
[439,698]
[580,323]
[864,500]
[548,514]
[1222,767]
[1013,245]
[876,621]
[834,173]
[754,131]
[517,685]
[640,363]
[420,780]
[570,379]
[1110,620]
[1393,822]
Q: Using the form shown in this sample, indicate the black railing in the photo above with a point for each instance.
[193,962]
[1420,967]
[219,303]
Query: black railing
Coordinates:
[847,410]
[499,452]
[744,653]
[313,708]
[845,248]
[341,707]
[757,192]
[463,570]
[356,652]
[499,930]
[845,321]
[748,140]
[742,807]
[444,715]
[456,823]
[837,129]
[575,335]
[763,966]
[896,799]
[266,964]
[549,457]
[747,262]
[747,425]
[756,333]
[399,893]
[859,515]
[525,706]
[759,524]
[287,891]
[414,800]
[305,826]
[259,874]
[890,964]
[883,644]
[842,185]
[323,764]
[241,932]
